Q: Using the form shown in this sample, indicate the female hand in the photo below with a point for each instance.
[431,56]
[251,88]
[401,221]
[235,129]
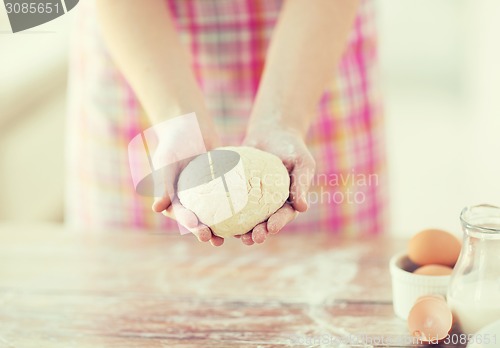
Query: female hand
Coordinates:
[166,179]
[289,146]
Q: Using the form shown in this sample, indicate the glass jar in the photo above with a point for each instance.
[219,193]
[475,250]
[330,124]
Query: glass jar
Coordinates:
[474,290]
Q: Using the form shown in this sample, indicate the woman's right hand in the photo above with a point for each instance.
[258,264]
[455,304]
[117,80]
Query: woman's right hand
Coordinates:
[168,203]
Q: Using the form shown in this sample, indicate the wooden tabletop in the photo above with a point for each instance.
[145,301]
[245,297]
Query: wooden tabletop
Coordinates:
[61,288]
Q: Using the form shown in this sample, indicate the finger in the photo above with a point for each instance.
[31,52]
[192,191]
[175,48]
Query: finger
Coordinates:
[184,216]
[163,184]
[283,216]
[247,238]
[203,233]
[217,241]
[160,204]
[301,177]
[189,220]
[259,233]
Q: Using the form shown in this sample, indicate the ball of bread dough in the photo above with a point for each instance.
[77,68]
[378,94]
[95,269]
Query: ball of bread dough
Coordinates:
[232,189]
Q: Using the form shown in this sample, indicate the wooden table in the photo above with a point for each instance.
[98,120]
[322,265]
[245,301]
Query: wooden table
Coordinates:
[62,288]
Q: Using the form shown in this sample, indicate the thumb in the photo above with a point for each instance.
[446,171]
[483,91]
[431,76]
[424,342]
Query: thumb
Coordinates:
[161,203]
[163,179]
[300,181]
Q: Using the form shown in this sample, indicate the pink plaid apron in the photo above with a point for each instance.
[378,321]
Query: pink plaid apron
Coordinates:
[228,40]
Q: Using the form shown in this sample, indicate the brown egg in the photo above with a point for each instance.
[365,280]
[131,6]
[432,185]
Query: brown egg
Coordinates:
[434,247]
[434,270]
[430,319]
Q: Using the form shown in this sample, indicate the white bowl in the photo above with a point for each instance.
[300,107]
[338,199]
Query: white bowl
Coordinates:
[407,287]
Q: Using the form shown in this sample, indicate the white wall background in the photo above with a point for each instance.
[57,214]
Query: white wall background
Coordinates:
[33,70]
[441,80]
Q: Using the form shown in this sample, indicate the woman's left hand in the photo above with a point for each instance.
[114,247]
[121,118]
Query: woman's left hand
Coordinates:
[290,147]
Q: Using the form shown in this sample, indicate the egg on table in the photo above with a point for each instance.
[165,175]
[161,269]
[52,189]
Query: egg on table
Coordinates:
[433,246]
[433,270]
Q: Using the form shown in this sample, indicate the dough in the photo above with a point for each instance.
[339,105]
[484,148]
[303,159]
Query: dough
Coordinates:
[232,189]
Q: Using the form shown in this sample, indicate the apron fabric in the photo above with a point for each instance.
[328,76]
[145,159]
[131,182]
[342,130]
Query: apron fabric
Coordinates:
[228,41]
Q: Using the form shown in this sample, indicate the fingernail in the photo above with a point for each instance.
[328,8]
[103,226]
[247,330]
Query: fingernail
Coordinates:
[201,235]
[247,240]
[156,204]
[276,228]
[305,203]
[259,238]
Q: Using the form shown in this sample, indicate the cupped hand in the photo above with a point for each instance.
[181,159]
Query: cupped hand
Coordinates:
[167,201]
[290,147]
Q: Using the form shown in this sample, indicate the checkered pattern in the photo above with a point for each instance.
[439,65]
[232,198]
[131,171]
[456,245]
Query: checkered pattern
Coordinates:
[228,40]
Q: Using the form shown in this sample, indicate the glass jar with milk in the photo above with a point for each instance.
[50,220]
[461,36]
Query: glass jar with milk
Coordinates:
[474,291]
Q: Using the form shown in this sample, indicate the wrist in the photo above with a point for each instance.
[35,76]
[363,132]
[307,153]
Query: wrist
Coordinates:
[170,106]
[296,123]
[186,131]
[282,110]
